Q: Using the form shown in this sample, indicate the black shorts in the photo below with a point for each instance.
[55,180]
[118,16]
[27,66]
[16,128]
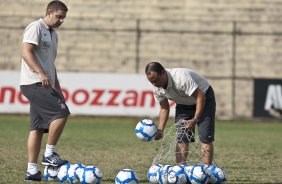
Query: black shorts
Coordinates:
[46,105]
[206,123]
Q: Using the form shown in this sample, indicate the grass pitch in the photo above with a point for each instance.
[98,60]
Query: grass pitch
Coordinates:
[249,152]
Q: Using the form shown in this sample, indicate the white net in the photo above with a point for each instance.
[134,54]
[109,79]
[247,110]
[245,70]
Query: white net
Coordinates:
[167,146]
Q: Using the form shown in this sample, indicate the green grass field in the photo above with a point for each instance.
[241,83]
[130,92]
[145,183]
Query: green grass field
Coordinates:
[249,152]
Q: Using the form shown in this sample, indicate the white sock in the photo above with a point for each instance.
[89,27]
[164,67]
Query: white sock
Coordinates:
[32,168]
[49,150]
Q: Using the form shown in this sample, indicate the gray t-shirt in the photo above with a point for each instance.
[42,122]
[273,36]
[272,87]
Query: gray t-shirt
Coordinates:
[182,83]
[39,34]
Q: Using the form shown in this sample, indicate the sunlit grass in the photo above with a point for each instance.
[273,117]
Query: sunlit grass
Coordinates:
[249,152]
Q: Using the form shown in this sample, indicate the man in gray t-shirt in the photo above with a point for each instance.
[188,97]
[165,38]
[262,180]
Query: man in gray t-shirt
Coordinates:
[195,105]
[40,85]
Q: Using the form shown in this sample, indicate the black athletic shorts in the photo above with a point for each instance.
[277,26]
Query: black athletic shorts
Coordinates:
[46,105]
[206,123]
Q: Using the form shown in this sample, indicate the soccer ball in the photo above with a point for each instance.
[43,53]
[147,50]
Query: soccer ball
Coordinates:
[63,172]
[187,168]
[146,130]
[212,179]
[177,175]
[90,175]
[152,173]
[72,173]
[217,173]
[198,175]
[162,174]
[126,176]
[50,173]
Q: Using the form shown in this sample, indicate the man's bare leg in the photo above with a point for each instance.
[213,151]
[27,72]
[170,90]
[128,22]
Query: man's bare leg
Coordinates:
[50,156]
[34,145]
[181,153]
[207,153]
[55,130]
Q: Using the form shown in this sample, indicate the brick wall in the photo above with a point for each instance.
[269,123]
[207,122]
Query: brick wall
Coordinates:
[220,39]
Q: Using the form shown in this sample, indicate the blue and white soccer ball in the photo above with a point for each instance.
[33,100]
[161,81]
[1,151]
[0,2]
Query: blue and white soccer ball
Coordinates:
[73,173]
[152,173]
[90,175]
[177,175]
[62,175]
[50,173]
[126,176]
[218,174]
[146,130]
[198,175]
[162,174]
[187,168]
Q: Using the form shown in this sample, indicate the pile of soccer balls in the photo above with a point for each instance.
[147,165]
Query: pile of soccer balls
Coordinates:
[73,173]
[178,174]
[146,130]
[184,174]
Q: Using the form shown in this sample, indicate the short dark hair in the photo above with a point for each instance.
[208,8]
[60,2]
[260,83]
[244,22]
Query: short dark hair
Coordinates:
[155,67]
[55,6]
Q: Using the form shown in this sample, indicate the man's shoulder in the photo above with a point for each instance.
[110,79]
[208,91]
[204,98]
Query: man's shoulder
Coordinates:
[178,72]
[174,70]
[35,24]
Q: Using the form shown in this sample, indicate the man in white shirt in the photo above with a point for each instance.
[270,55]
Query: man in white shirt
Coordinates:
[195,104]
[39,83]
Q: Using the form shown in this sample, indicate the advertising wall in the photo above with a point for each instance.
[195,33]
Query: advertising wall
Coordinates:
[268,98]
[103,94]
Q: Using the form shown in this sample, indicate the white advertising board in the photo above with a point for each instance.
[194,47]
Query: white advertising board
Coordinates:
[104,94]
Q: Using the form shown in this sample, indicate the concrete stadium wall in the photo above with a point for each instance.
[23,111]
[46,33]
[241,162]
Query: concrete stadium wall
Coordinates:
[229,42]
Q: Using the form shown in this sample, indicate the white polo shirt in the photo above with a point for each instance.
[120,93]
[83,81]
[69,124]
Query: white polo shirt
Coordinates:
[182,83]
[38,33]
